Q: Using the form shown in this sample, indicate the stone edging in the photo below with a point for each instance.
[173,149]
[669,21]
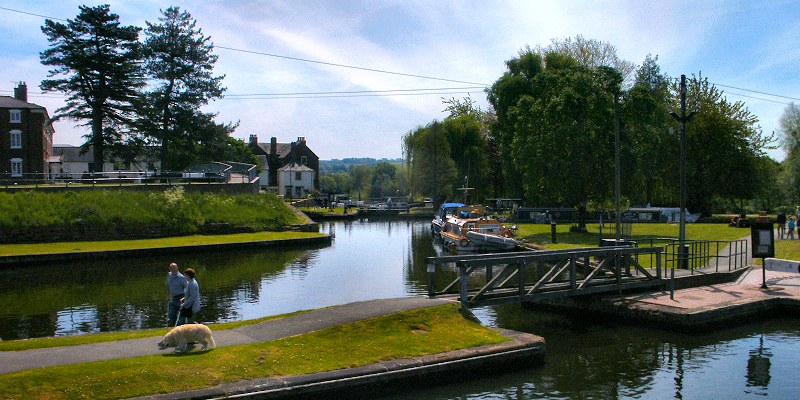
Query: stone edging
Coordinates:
[523,349]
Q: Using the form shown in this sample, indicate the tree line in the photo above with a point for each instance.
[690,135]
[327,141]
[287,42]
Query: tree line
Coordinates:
[548,138]
[140,94]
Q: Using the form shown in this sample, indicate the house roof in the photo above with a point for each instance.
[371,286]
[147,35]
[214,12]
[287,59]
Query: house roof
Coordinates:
[11,102]
[70,153]
[15,103]
[281,149]
[293,167]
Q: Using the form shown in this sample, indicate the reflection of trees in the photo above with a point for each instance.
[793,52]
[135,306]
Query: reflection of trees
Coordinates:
[127,294]
[415,268]
[599,358]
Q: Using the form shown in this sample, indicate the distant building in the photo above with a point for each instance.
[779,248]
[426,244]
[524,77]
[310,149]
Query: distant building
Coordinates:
[27,137]
[274,156]
[70,161]
[295,180]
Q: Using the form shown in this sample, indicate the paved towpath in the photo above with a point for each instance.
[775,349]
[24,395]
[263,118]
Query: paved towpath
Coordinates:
[11,361]
[746,289]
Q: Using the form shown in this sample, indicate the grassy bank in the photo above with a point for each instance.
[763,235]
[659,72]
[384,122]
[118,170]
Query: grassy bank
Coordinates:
[403,335]
[179,212]
[77,340]
[177,241]
[539,234]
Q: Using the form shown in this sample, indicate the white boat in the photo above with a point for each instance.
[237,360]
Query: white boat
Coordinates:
[446,210]
[471,229]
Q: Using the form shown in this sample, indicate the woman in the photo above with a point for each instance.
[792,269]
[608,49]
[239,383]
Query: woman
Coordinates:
[191,299]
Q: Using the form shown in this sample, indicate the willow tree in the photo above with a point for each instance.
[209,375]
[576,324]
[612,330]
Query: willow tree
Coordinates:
[555,127]
[96,63]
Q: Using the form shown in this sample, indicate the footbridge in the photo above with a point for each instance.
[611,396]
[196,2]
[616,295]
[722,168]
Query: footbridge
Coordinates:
[487,279]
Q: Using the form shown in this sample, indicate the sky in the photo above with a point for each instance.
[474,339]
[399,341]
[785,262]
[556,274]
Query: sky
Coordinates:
[353,77]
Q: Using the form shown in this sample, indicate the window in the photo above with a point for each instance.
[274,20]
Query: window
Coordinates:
[303,160]
[16,167]
[16,139]
[298,176]
[16,116]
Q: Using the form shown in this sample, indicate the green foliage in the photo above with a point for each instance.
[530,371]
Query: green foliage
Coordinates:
[183,213]
[96,63]
[433,172]
[555,128]
[180,62]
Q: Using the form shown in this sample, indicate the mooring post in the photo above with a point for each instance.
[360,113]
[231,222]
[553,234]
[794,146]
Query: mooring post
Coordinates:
[462,276]
[431,280]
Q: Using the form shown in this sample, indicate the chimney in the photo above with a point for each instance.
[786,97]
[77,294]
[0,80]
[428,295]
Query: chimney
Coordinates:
[254,139]
[301,139]
[21,92]
[273,146]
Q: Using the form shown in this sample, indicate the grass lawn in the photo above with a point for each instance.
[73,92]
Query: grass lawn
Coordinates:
[540,234]
[402,335]
[177,241]
[76,340]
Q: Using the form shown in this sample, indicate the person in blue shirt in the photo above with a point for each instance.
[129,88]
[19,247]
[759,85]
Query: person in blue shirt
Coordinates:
[191,299]
[176,286]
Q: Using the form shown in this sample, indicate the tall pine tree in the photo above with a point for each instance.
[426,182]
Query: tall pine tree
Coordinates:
[180,60]
[96,63]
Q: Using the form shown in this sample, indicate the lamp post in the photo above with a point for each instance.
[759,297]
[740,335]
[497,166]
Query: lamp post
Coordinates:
[683,118]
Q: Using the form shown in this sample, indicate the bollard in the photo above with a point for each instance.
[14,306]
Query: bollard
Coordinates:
[553,232]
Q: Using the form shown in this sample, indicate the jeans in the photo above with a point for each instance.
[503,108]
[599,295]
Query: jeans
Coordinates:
[174,308]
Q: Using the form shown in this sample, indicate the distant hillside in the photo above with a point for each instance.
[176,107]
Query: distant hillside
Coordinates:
[343,165]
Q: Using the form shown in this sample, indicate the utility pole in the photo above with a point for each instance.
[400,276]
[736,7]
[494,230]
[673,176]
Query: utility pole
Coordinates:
[683,119]
[616,168]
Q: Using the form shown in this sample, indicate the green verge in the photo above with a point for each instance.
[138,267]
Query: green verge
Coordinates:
[403,335]
[540,233]
[175,241]
[77,340]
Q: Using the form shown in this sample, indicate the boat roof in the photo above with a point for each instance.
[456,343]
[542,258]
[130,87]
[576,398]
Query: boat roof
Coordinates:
[451,205]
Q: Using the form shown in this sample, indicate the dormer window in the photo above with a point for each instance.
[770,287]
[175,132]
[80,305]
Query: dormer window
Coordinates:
[303,160]
[16,116]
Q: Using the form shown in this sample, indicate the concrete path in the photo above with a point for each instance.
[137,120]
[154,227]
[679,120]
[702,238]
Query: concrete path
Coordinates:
[11,361]
[746,289]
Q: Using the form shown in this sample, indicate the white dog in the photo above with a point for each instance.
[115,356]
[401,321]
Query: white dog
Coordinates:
[182,335]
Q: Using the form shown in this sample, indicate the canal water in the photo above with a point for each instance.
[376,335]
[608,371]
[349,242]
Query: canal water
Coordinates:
[379,259]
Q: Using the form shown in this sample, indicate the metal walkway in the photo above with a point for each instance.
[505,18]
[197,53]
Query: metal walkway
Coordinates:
[487,279]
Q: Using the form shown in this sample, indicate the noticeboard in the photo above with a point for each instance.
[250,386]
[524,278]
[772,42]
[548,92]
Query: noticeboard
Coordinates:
[762,238]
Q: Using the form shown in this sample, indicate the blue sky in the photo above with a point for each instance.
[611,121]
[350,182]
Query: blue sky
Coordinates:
[751,45]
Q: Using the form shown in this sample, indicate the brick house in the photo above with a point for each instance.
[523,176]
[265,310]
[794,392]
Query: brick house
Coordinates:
[26,137]
[274,156]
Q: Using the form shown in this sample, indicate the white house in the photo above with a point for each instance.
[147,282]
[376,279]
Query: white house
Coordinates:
[71,162]
[295,180]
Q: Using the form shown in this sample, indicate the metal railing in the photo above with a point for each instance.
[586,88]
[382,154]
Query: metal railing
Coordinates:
[709,254]
[528,276]
[121,178]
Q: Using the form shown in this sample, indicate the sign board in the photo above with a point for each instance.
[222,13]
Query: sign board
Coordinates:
[762,238]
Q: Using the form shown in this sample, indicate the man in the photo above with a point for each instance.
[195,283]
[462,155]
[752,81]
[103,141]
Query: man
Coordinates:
[176,286]
[191,299]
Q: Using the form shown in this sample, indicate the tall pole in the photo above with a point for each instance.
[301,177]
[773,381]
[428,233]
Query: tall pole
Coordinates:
[616,167]
[682,234]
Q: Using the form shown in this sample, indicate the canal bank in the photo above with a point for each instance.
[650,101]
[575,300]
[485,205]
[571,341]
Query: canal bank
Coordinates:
[703,301]
[148,251]
[520,349]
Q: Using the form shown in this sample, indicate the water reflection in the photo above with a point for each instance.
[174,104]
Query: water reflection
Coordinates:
[586,358]
[367,260]
[596,358]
